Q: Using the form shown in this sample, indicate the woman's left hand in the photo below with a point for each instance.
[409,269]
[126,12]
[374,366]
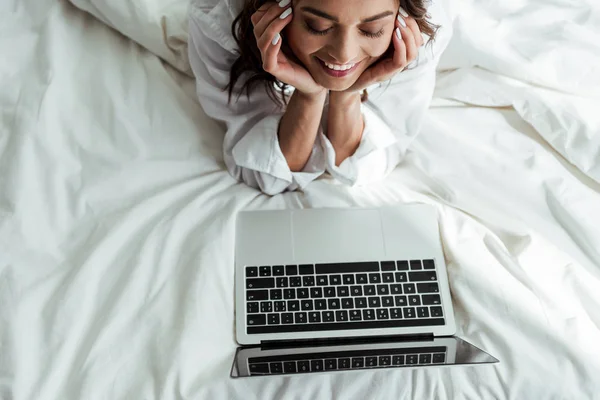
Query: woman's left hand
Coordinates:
[406,40]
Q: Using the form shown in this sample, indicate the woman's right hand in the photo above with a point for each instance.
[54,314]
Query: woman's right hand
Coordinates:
[268,26]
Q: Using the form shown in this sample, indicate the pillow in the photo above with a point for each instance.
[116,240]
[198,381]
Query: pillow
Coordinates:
[158,25]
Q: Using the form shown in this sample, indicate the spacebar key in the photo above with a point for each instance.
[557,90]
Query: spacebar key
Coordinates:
[341,268]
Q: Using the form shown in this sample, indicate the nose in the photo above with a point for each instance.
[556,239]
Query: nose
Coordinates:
[344,49]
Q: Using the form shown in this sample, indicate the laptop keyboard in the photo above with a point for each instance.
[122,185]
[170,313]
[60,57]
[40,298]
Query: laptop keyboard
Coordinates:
[341,296]
[347,360]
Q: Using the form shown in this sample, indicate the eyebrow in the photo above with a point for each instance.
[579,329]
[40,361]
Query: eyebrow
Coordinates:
[321,14]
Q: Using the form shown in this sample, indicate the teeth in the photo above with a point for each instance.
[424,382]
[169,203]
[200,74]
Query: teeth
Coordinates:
[340,67]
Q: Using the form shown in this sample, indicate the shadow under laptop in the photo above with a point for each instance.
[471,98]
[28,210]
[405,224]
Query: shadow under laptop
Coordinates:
[349,355]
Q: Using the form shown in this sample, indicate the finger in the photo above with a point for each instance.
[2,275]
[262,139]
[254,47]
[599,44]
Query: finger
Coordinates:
[270,53]
[399,59]
[412,50]
[272,34]
[272,14]
[414,27]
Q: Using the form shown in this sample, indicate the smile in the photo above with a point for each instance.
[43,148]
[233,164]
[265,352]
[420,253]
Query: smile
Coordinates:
[338,71]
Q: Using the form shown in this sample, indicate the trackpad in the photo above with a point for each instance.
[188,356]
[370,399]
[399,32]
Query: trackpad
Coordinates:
[337,235]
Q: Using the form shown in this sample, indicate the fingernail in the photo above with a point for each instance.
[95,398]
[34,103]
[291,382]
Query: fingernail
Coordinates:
[286,13]
[402,22]
[284,3]
[276,39]
[398,33]
[403,12]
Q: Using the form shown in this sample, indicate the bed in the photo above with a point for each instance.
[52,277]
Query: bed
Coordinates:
[117,213]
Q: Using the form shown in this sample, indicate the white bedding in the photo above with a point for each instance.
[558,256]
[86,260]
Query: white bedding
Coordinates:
[117,214]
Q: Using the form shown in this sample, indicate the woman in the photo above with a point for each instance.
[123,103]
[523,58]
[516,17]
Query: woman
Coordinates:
[313,86]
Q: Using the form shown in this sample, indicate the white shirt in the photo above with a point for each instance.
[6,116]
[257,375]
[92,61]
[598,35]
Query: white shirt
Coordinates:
[251,148]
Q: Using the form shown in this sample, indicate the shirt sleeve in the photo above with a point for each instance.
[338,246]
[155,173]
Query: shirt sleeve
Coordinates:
[251,147]
[393,115]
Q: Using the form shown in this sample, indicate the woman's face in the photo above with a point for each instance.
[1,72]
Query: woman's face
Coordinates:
[341,34]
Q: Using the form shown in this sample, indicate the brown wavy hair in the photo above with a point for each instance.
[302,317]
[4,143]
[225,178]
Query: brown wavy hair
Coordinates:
[250,59]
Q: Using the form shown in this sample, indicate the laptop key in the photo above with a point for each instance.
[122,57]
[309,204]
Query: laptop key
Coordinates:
[436,312]
[291,270]
[401,301]
[306,269]
[396,289]
[428,287]
[382,313]
[368,314]
[422,276]
[360,302]
[388,266]
[344,363]
[358,362]
[396,313]
[330,364]
[251,272]
[322,280]
[273,319]
[293,305]
[289,367]
[412,359]
[439,358]
[264,271]
[409,312]
[385,361]
[387,301]
[314,317]
[428,264]
[383,290]
[278,270]
[287,318]
[409,288]
[401,277]
[330,291]
[375,278]
[374,302]
[282,282]
[302,293]
[414,300]
[275,294]
[371,361]
[347,303]
[348,279]
[260,283]
[335,279]
[276,367]
[369,290]
[356,291]
[343,291]
[317,365]
[256,319]
[432,299]
[303,366]
[279,306]
[423,312]
[259,368]
[308,280]
[425,359]
[402,265]
[328,316]
[355,315]
[362,278]
[341,316]
[320,304]
[266,306]
[397,360]
[300,317]
[295,281]
[316,292]
[307,305]
[289,294]
[257,295]
[333,304]
[252,308]
[388,277]
[415,264]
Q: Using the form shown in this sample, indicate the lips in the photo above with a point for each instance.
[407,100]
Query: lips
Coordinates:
[340,71]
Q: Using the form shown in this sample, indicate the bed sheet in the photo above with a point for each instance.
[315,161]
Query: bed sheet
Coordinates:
[117,221]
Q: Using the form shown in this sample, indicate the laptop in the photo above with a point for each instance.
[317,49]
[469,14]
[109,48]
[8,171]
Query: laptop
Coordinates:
[324,290]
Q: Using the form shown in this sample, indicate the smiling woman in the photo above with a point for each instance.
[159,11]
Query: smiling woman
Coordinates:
[286,78]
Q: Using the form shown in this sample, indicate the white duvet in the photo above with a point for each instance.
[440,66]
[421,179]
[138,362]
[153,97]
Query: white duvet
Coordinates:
[117,214]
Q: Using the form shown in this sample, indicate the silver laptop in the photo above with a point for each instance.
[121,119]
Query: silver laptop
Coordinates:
[341,289]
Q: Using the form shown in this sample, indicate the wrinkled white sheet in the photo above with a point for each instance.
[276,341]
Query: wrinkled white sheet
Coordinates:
[117,214]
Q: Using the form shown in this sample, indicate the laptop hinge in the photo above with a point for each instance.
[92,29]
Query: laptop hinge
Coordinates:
[281,344]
